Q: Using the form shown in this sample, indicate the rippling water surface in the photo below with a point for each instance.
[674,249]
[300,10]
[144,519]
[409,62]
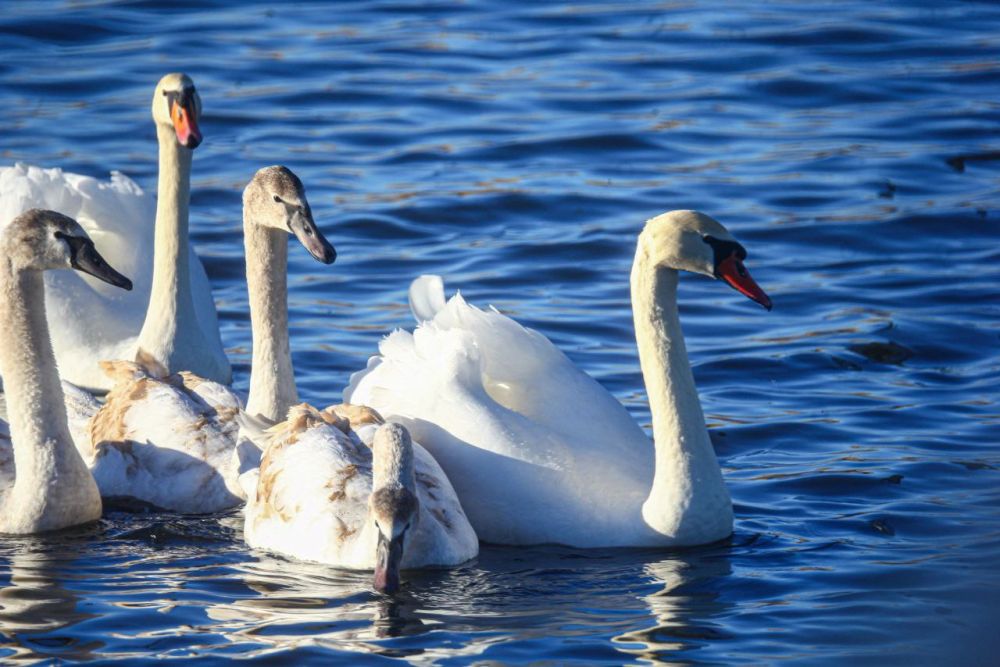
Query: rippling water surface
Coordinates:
[516,149]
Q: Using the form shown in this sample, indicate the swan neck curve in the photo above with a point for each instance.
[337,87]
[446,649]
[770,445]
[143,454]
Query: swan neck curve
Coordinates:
[272,380]
[171,319]
[53,487]
[688,499]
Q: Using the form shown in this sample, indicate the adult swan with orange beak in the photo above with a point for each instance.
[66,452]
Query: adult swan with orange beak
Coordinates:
[170,316]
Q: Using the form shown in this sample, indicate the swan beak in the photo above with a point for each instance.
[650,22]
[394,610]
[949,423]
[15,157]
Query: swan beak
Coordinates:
[85,258]
[185,123]
[388,556]
[735,273]
[308,234]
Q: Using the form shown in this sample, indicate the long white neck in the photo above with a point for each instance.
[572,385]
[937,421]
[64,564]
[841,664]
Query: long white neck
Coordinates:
[689,499]
[272,380]
[53,488]
[170,334]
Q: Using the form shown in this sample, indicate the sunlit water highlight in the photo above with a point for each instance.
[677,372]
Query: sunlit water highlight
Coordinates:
[516,149]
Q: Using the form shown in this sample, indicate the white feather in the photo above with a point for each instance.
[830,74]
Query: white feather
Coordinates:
[311,499]
[92,320]
[538,451]
[159,441]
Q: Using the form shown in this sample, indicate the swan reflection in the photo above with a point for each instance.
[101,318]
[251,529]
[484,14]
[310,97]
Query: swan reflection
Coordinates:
[291,604]
[34,603]
[683,608]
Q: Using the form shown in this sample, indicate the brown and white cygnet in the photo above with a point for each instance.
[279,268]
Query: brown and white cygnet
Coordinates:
[171,440]
[340,486]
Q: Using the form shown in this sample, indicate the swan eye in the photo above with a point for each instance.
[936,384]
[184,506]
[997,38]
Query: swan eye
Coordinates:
[277,199]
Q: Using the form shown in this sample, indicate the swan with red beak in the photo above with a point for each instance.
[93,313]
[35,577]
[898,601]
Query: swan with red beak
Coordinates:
[184,107]
[728,266]
[538,451]
[171,314]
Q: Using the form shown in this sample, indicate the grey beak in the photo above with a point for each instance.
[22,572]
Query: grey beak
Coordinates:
[388,556]
[84,257]
[308,234]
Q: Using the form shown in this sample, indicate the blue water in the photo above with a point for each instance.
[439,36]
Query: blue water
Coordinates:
[516,149]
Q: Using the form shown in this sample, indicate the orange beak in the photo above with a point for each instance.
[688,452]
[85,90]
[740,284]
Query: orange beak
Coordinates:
[185,125]
[733,272]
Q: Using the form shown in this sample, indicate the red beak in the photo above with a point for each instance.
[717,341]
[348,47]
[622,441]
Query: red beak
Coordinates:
[185,125]
[733,272]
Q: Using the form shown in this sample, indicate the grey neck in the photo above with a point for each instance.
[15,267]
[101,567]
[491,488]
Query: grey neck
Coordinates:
[35,402]
[53,486]
[272,379]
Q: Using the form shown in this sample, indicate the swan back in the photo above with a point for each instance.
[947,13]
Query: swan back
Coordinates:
[537,450]
[166,441]
[316,489]
[97,320]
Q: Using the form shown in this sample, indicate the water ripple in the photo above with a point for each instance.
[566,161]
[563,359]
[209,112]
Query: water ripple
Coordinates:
[517,149]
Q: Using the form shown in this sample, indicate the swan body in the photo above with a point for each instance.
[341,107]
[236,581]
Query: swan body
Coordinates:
[537,450]
[166,442]
[172,441]
[147,240]
[44,484]
[338,486]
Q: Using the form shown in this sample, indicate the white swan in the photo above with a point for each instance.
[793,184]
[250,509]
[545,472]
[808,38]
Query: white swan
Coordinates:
[540,452]
[44,484]
[170,441]
[97,322]
[340,487]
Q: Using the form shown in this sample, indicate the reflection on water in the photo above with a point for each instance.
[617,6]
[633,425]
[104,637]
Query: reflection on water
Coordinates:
[511,594]
[516,149]
[292,605]
[686,612]
[35,606]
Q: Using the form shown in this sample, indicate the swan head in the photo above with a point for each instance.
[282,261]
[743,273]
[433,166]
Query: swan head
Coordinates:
[176,104]
[693,241]
[41,240]
[276,198]
[393,505]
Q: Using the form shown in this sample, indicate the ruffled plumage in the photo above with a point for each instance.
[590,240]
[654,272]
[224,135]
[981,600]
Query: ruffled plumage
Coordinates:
[166,442]
[538,451]
[309,498]
[93,321]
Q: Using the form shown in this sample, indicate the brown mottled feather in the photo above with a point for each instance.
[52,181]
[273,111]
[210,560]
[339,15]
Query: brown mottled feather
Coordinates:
[356,416]
[150,364]
[190,381]
[108,425]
